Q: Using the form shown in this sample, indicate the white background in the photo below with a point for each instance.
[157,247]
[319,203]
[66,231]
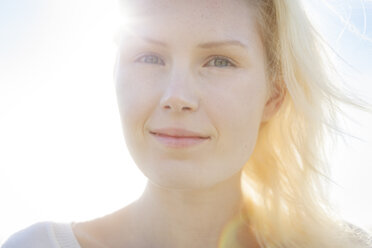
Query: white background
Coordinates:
[62,153]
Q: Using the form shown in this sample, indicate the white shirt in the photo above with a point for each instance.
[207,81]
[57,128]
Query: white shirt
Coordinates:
[44,235]
[60,235]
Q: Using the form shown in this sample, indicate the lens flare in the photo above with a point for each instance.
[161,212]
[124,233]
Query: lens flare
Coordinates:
[237,234]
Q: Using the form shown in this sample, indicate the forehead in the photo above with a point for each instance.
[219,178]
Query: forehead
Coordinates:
[229,18]
[151,7]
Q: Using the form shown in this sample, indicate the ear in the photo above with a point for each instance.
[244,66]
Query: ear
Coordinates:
[274,102]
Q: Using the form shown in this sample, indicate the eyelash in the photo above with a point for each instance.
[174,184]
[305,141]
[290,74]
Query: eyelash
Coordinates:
[214,58]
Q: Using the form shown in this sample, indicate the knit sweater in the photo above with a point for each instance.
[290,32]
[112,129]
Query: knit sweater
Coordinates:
[43,235]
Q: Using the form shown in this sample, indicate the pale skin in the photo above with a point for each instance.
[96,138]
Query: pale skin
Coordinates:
[175,69]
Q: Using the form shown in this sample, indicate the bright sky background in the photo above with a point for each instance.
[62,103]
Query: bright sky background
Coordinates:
[62,153]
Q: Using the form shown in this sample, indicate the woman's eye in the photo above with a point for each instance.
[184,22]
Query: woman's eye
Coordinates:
[150,59]
[220,62]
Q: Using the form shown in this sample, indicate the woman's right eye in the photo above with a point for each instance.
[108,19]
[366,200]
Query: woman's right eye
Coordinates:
[150,59]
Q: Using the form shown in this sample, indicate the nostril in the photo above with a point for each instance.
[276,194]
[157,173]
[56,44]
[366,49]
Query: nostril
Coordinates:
[183,108]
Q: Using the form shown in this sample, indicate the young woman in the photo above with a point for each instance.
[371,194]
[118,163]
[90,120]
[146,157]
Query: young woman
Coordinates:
[224,107]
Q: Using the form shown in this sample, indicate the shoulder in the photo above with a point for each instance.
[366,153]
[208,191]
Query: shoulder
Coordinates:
[43,235]
[36,235]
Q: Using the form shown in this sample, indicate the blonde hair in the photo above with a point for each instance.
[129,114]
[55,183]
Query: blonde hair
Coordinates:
[285,181]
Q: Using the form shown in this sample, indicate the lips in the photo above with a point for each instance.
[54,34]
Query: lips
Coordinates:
[175,138]
[178,133]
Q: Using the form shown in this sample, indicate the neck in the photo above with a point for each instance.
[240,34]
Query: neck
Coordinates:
[194,218]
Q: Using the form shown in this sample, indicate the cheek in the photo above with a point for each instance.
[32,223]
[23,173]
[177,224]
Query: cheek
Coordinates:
[237,112]
[240,102]
[136,100]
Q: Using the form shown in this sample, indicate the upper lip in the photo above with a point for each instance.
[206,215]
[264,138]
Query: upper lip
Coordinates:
[178,132]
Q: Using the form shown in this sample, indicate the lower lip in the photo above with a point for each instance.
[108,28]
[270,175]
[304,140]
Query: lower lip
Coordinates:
[178,142]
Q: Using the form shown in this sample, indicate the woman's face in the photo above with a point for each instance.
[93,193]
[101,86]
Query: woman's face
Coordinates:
[194,65]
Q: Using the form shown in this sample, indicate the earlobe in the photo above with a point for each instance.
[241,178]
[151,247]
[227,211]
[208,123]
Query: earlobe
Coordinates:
[274,103]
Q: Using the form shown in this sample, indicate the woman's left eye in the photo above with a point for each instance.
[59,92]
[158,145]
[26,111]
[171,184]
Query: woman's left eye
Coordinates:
[219,61]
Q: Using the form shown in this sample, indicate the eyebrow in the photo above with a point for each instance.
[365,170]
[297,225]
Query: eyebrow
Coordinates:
[214,44]
[207,45]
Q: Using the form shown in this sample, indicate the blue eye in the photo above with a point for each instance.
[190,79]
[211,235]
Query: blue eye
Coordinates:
[219,61]
[150,59]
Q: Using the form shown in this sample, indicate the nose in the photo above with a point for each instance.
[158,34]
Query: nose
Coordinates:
[180,94]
